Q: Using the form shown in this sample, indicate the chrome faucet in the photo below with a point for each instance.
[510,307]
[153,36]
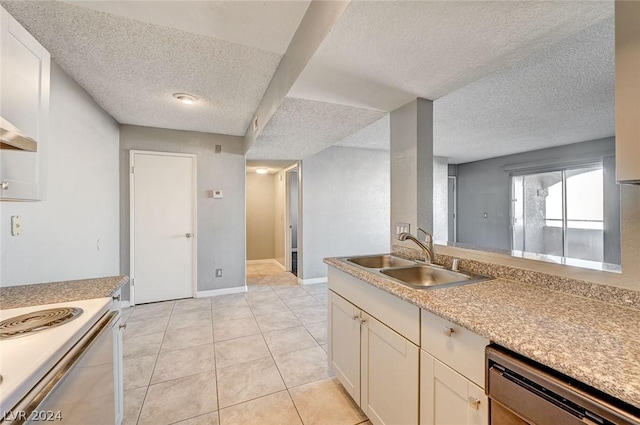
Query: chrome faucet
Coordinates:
[427,249]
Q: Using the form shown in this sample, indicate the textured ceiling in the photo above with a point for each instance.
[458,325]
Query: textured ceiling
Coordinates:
[301,128]
[563,94]
[132,68]
[374,136]
[266,25]
[381,55]
[559,95]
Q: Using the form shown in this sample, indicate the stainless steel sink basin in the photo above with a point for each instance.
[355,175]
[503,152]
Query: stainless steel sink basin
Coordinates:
[429,276]
[380,261]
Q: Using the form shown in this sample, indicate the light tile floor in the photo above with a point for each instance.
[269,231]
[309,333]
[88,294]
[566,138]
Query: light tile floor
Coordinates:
[252,358]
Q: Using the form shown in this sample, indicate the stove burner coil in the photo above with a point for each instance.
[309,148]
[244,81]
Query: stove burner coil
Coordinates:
[37,321]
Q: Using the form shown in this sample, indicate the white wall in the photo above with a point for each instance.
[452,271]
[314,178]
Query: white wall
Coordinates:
[60,235]
[260,216]
[221,222]
[345,204]
[278,219]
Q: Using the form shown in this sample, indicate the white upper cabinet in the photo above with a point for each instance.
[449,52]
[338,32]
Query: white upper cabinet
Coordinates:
[628,91]
[24,103]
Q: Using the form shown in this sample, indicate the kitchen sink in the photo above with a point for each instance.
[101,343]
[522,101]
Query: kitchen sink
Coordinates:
[424,277]
[380,261]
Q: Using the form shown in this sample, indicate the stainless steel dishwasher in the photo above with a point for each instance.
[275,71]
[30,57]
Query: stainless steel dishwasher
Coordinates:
[523,392]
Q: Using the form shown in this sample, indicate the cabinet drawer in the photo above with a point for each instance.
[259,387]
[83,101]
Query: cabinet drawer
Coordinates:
[455,346]
[401,316]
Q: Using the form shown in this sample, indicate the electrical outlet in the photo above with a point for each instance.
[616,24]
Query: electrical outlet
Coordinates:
[218,272]
[16,225]
[402,228]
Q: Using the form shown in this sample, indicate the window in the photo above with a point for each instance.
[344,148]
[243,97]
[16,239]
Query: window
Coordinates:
[559,212]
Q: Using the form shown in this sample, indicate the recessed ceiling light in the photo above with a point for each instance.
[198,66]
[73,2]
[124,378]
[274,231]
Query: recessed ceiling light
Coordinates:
[185,98]
[262,170]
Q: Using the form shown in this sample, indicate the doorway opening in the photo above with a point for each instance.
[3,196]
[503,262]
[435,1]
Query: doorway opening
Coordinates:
[291,219]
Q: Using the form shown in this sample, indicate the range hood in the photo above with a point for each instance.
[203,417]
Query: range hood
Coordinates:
[12,138]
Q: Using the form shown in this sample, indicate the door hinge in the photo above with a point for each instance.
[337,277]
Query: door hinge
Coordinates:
[132,170]
[133,282]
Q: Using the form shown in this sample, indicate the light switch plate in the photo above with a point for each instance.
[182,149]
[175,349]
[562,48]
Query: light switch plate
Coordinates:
[16,225]
[217,194]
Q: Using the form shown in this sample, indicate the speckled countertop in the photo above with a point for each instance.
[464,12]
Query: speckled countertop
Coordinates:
[592,341]
[57,292]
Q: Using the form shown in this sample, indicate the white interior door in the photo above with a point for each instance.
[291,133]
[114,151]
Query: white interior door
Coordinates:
[163,189]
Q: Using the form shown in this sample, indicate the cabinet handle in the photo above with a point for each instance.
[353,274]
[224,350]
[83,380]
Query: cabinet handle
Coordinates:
[448,331]
[356,317]
[116,298]
[474,402]
[363,320]
[123,326]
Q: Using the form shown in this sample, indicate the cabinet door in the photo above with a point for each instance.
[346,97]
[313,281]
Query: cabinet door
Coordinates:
[24,102]
[117,369]
[344,344]
[448,398]
[390,375]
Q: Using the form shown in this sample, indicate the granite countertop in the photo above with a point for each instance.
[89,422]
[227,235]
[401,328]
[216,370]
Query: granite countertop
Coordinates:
[592,341]
[57,292]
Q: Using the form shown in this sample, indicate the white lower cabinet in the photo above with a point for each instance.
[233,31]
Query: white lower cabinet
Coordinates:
[344,344]
[378,367]
[448,398]
[390,365]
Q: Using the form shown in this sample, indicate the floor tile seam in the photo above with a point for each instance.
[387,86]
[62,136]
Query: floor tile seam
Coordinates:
[215,362]
[180,377]
[253,399]
[280,329]
[185,348]
[146,391]
[238,337]
[275,363]
[312,336]
[196,416]
[295,406]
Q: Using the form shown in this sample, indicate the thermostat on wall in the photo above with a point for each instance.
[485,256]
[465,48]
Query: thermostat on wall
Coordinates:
[217,194]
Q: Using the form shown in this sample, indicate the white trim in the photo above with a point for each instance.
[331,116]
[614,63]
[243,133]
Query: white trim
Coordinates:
[312,281]
[266,261]
[223,291]
[125,304]
[194,209]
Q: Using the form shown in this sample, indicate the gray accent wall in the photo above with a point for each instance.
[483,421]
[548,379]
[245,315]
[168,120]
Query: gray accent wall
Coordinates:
[483,187]
[221,222]
[73,234]
[345,204]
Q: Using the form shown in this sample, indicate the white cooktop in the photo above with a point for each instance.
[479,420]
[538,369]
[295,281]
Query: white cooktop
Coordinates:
[24,360]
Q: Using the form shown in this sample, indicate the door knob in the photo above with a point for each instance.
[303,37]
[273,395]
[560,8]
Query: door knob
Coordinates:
[188,235]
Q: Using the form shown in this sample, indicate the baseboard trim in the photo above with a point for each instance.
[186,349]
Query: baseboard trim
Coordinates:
[267,261]
[223,291]
[312,281]
[125,303]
